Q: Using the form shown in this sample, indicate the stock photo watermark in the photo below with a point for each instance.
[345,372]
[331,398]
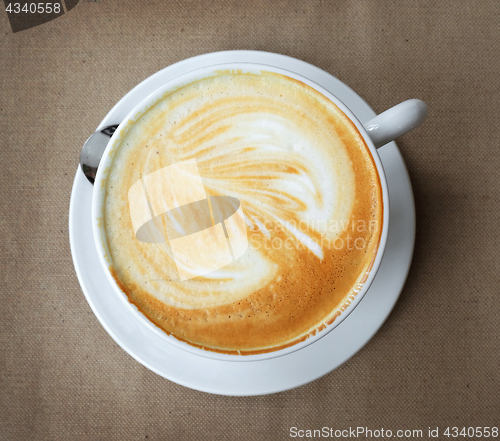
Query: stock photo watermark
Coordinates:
[206,233]
[365,432]
[28,14]
[335,235]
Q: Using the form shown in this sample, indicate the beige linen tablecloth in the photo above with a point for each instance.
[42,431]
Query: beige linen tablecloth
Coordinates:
[434,363]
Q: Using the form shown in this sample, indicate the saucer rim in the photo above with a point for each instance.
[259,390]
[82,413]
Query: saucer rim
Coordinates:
[363,112]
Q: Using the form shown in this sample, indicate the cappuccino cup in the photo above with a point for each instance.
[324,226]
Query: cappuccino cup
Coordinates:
[241,211]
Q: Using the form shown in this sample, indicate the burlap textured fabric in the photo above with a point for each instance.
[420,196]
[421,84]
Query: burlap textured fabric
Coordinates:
[434,363]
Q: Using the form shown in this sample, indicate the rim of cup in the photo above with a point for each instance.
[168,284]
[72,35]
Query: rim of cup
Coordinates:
[104,169]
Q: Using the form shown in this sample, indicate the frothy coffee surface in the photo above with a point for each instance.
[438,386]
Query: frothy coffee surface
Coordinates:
[310,196]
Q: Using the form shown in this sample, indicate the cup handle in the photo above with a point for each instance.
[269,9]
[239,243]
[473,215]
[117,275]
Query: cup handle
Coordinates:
[396,121]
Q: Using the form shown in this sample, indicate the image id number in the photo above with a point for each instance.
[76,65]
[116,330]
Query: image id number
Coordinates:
[32,8]
[471,432]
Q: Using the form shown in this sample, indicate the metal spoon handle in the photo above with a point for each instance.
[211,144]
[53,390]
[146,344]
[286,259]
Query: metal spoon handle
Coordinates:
[93,150]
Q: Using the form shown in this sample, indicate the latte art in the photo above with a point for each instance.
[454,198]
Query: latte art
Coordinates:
[310,199]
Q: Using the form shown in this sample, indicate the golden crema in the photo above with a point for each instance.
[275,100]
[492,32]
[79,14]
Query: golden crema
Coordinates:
[263,206]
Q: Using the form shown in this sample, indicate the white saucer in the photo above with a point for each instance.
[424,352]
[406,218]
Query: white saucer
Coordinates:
[257,377]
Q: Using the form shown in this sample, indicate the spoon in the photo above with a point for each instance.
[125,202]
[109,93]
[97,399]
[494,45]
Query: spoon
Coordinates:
[93,150]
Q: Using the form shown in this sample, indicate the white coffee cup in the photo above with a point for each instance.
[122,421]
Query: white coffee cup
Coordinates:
[377,132]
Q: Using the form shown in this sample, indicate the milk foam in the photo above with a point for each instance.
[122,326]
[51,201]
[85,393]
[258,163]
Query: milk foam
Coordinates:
[285,152]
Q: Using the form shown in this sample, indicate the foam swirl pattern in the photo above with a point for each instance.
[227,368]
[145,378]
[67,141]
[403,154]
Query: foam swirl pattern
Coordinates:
[311,199]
